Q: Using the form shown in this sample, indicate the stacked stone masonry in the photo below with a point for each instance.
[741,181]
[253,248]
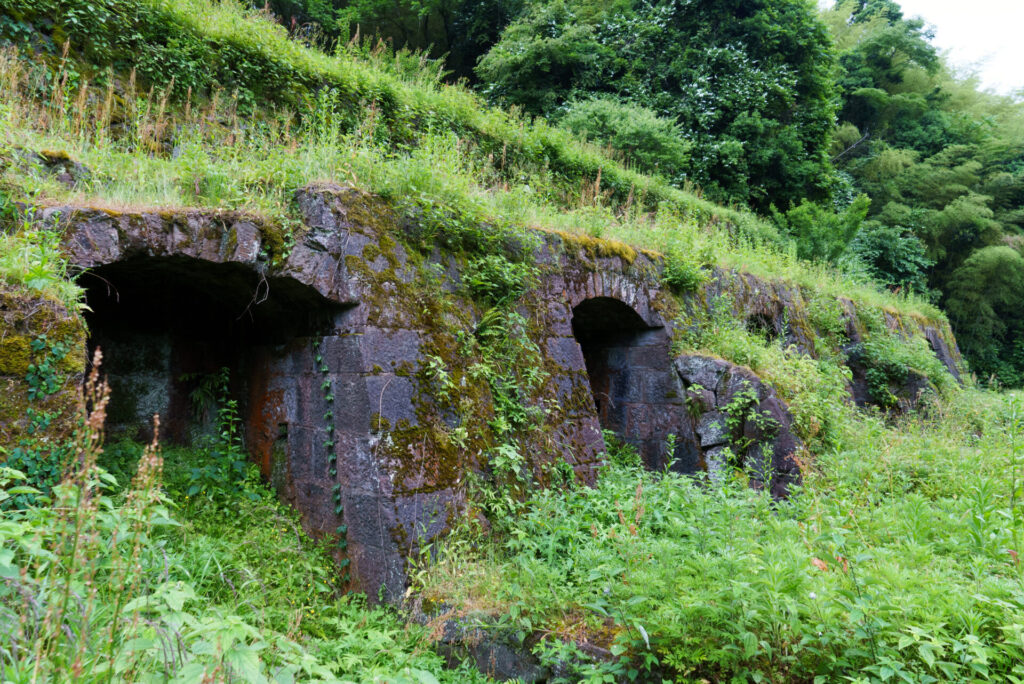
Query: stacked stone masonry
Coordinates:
[331,350]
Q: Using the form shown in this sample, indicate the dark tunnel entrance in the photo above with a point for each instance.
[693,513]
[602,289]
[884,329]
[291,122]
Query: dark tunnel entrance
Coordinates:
[636,391]
[166,324]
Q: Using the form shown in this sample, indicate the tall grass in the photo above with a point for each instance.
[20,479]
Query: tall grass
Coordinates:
[897,561]
[446,149]
[134,581]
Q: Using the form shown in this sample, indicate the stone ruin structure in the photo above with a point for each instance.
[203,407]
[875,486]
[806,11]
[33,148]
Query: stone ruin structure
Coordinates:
[358,390]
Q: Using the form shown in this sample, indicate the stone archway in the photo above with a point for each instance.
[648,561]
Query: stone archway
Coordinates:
[165,322]
[636,392]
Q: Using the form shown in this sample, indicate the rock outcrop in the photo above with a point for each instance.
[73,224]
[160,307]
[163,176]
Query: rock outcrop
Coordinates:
[736,417]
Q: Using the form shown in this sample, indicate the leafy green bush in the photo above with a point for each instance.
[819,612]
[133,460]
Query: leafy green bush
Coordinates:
[652,143]
[495,281]
[750,86]
[621,454]
[821,234]
[684,271]
[890,562]
[892,255]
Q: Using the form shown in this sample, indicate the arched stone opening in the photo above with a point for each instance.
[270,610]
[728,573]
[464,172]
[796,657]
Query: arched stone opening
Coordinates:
[637,393]
[167,323]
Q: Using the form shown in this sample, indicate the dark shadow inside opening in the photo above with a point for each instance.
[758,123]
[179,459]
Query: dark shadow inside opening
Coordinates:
[605,328]
[167,323]
[629,366]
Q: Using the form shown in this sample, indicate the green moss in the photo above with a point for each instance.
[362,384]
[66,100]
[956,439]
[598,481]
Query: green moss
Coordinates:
[55,155]
[371,252]
[593,248]
[231,244]
[15,355]
[379,423]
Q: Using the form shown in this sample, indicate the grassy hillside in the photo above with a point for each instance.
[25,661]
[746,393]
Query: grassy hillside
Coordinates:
[898,559]
[231,113]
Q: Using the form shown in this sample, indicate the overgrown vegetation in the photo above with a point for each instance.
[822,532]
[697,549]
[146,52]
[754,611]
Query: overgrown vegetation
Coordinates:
[893,562]
[896,559]
[30,255]
[131,573]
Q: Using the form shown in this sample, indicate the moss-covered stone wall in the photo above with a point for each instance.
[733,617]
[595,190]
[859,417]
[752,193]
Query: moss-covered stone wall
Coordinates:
[30,327]
[400,376]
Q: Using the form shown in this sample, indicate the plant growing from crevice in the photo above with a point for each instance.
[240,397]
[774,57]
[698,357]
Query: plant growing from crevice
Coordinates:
[493,279]
[743,409]
[337,504]
[694,401]
[41,460]
[511,365]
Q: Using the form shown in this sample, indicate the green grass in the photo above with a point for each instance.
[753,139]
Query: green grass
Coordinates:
[897,561]
[164,585]
[385,124]
[31,258]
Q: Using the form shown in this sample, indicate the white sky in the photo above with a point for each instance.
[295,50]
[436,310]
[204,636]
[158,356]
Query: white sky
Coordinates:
[982,35]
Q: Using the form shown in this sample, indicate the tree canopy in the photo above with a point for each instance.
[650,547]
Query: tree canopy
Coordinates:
[943,164]
[750,85]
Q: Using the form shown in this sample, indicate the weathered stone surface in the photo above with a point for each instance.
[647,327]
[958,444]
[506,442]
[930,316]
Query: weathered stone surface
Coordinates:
[700,370]
[711,428]
[494,652]
[59,164]
[762,422]
[946,354]
[329,348]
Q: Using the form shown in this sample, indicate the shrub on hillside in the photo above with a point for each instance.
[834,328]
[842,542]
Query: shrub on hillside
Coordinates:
[654,144]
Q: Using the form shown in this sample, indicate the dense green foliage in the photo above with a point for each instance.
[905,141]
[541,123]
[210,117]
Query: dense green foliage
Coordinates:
[748,83]
[943,165]
[652,143]
[891,563]
[385,124]
[459,30]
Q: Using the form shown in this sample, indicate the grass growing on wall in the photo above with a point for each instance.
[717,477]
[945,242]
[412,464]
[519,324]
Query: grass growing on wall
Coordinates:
[363,117]
[31,258]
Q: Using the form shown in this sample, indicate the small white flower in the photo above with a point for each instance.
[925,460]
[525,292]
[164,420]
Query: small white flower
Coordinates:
[813,595]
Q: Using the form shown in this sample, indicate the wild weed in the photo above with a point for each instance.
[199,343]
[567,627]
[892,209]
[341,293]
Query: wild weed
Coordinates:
[105,582]
[890,562]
